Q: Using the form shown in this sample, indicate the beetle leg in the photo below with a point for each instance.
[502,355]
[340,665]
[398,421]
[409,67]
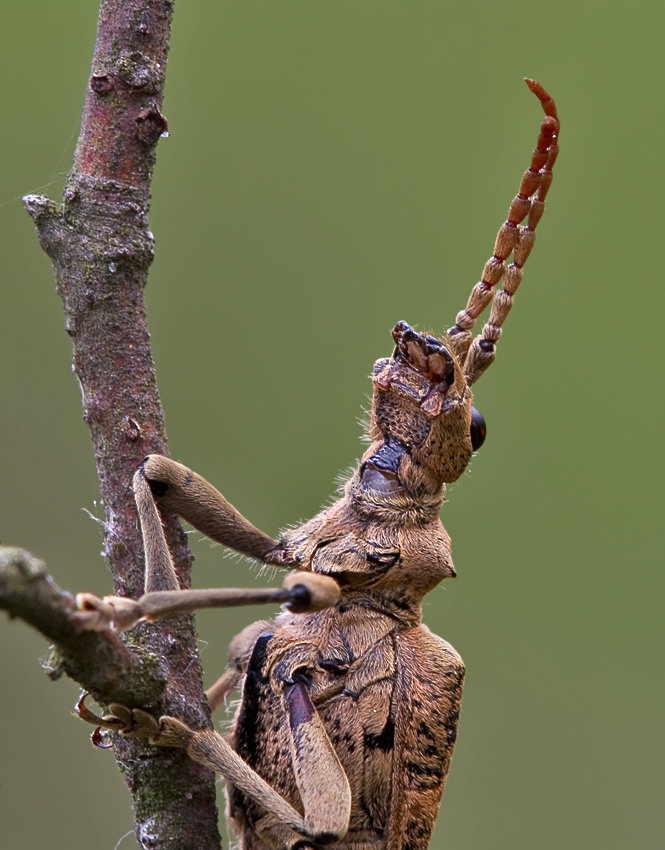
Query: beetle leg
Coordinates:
[210,749]
[277,836]
[301,593]
[190,496]
[322,783]
[320,778]
[239,654]
[130,722]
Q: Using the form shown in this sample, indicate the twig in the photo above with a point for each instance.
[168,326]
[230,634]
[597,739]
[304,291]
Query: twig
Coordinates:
[101,250]
[98,661]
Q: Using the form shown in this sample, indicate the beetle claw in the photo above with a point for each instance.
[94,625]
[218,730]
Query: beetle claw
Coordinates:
[134,722]
[100,738]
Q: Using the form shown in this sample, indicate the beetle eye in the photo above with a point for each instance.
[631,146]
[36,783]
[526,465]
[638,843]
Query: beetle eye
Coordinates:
[478,429]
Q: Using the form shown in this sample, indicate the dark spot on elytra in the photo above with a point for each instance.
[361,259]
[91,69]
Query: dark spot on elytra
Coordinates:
[421,770]
[188,478]
[417,829]
[385,740]
[424,729]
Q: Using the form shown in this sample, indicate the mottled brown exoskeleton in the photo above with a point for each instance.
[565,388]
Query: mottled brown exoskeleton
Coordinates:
[350,704]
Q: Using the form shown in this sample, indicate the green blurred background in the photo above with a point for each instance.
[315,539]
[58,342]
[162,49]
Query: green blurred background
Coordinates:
[332,168]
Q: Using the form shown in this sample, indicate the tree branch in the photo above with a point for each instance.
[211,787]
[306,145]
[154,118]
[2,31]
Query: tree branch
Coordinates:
[101,249]
[98,661]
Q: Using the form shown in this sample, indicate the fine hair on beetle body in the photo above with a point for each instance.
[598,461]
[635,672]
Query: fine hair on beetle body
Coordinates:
[350,705]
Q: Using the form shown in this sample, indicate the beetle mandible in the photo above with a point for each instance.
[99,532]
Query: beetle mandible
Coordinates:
[350,705]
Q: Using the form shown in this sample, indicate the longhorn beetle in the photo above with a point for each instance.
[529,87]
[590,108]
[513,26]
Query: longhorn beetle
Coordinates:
[350,704]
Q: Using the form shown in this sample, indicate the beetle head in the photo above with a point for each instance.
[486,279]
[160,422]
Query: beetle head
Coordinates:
[421,419]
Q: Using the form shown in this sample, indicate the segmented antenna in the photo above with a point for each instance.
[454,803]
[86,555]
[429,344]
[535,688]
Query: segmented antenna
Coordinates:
[529,203]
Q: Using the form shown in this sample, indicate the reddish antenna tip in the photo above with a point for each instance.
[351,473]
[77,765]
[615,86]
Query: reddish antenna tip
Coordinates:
[549,107]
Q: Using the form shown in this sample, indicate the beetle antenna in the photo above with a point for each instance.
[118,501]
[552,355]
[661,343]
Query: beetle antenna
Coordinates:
[478,354]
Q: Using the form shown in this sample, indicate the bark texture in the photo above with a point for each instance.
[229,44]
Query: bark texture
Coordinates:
[101,249]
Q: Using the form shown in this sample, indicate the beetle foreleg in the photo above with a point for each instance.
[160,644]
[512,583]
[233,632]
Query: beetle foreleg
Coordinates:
[323,785]
[190,496]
